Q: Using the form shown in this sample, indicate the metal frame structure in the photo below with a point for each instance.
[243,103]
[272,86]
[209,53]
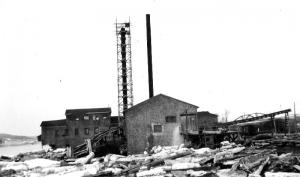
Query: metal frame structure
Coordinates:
[248,116]
[125,96]
[259,116]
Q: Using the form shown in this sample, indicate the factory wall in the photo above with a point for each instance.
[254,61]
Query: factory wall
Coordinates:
[155,121]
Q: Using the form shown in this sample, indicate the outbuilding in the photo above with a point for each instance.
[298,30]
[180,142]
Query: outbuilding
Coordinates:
[80,124]
[155,121]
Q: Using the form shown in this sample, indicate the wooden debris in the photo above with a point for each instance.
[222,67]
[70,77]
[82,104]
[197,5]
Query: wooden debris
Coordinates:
[257,172]
[193,173]
[152,172]
[185,166]
[297,167]
[231,160]
[5,158]
[281,174]
[85,160]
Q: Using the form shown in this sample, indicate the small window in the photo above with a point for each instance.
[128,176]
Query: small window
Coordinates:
[86,131]
[76,132]
[94,117]
[170,119]
[56,133]
[77,118]
[157,128]
[114,120]
[86,117]
[96,130]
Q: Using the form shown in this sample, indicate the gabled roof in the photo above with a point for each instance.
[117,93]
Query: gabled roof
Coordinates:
[88,111]
[51,123]
[155,97]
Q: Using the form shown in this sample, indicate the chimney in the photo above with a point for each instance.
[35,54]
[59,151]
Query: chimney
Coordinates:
[149,51]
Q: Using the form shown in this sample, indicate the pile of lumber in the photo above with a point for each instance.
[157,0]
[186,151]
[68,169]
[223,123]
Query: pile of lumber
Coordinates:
[227,161]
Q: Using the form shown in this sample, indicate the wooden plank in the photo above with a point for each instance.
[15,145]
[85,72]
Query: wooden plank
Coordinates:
[89,145]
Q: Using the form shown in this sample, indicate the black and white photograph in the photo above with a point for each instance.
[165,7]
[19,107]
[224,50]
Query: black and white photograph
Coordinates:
[153,88]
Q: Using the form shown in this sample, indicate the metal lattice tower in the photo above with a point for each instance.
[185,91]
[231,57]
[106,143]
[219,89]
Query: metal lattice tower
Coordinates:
[125,96]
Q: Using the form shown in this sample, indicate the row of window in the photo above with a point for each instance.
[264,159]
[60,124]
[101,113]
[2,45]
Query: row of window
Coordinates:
[90,117]
[76,131]
[158,128]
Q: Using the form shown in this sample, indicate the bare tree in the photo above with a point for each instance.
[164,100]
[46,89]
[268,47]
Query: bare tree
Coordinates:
[225,118]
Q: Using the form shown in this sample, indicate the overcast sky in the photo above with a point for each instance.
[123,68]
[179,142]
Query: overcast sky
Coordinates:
[240,56]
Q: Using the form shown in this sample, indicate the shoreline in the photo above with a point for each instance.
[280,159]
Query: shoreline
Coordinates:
[18,143]
[15,149]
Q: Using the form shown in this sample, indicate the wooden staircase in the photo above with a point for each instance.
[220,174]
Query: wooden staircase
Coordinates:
[90,145]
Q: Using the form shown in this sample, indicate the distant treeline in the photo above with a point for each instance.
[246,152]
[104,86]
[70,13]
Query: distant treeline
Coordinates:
[4,136]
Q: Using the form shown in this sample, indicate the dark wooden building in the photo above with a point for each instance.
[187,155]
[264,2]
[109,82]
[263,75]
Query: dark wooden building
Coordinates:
[207,120]
[80,124]
[155,121]
[193,125]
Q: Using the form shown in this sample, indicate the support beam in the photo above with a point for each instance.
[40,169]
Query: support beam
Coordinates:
[258,117]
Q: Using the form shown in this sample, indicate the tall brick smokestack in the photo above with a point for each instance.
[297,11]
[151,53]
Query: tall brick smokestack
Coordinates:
[149,51]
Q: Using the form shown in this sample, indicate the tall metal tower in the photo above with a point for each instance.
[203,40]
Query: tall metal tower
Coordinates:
[125,96]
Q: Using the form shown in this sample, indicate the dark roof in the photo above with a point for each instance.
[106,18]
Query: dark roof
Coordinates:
[88,110]
[156,96]
[61,122]
[116,116]
[206,113]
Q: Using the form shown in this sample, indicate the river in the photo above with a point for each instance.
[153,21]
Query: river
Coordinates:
[16,149]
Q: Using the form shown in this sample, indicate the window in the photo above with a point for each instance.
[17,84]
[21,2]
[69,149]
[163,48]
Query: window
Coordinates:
[170,119]
[114,120]
[86,131]
[86,117]
[66,133]
[96,130]
[157,128]
[76,132]
[94,117]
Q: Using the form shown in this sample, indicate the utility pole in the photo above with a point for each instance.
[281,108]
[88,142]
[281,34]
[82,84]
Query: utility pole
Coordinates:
[295,118]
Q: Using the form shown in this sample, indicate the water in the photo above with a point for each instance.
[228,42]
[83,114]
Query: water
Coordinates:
[14,150]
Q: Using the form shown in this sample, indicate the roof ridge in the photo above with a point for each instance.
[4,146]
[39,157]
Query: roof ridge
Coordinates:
[156,96]
[89,108]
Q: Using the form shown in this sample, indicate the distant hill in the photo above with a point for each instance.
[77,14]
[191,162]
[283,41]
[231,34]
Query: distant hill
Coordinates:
[5,136]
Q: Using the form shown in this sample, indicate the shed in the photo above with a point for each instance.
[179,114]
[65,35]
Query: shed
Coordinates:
[155,121]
